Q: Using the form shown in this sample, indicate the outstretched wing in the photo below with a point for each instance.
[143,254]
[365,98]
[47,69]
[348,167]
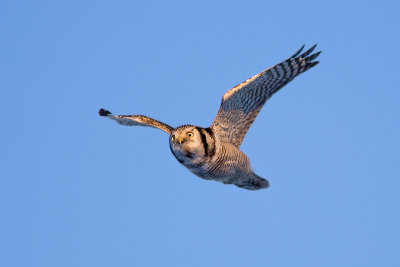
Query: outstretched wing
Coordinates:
[136,120]
[241,104]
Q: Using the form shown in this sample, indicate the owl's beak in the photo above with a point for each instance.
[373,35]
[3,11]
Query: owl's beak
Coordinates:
[180,140]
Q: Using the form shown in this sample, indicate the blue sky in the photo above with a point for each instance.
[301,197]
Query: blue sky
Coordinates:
[79,190]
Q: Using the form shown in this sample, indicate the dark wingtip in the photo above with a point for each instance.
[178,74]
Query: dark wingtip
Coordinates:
[308,51]
[103,112]
[314,56]
[312,64]
[298,51]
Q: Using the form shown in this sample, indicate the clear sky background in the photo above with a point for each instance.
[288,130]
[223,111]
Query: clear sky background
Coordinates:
[79,190]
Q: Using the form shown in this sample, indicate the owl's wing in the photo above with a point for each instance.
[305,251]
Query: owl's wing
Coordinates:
[241,104]
[136,120]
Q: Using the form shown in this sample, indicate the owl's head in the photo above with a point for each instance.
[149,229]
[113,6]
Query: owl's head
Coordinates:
[187,144]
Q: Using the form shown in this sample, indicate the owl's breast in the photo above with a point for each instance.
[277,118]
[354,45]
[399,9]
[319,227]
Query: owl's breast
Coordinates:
[186,156]
[227,165]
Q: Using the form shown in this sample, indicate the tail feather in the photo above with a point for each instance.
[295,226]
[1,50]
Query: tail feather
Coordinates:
[254,183]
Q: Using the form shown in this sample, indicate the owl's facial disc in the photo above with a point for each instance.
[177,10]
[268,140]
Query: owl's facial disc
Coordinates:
[186,145]
[183,137]
[177,139]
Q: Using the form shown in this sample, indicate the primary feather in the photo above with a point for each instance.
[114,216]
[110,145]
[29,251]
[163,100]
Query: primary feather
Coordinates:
[241,104]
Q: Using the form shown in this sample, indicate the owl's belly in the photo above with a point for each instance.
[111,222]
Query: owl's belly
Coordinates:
[228,165]
[224,170]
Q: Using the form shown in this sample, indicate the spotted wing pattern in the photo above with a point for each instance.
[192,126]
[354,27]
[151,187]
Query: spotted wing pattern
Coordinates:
[136,120]
[241,104]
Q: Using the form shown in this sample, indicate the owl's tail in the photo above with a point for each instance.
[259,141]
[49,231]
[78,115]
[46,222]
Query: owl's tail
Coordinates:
[254,183]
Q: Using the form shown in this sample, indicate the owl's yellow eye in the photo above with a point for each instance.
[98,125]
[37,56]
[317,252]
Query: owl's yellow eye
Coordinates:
[173,138]
[190,134]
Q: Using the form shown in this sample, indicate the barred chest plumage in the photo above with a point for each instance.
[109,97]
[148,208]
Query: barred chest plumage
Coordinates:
[203,154]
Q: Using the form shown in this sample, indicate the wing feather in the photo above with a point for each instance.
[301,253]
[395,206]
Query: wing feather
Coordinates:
[136,120]
[241,104]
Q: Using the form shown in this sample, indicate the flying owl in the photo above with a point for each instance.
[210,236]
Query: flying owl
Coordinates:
[213,153]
